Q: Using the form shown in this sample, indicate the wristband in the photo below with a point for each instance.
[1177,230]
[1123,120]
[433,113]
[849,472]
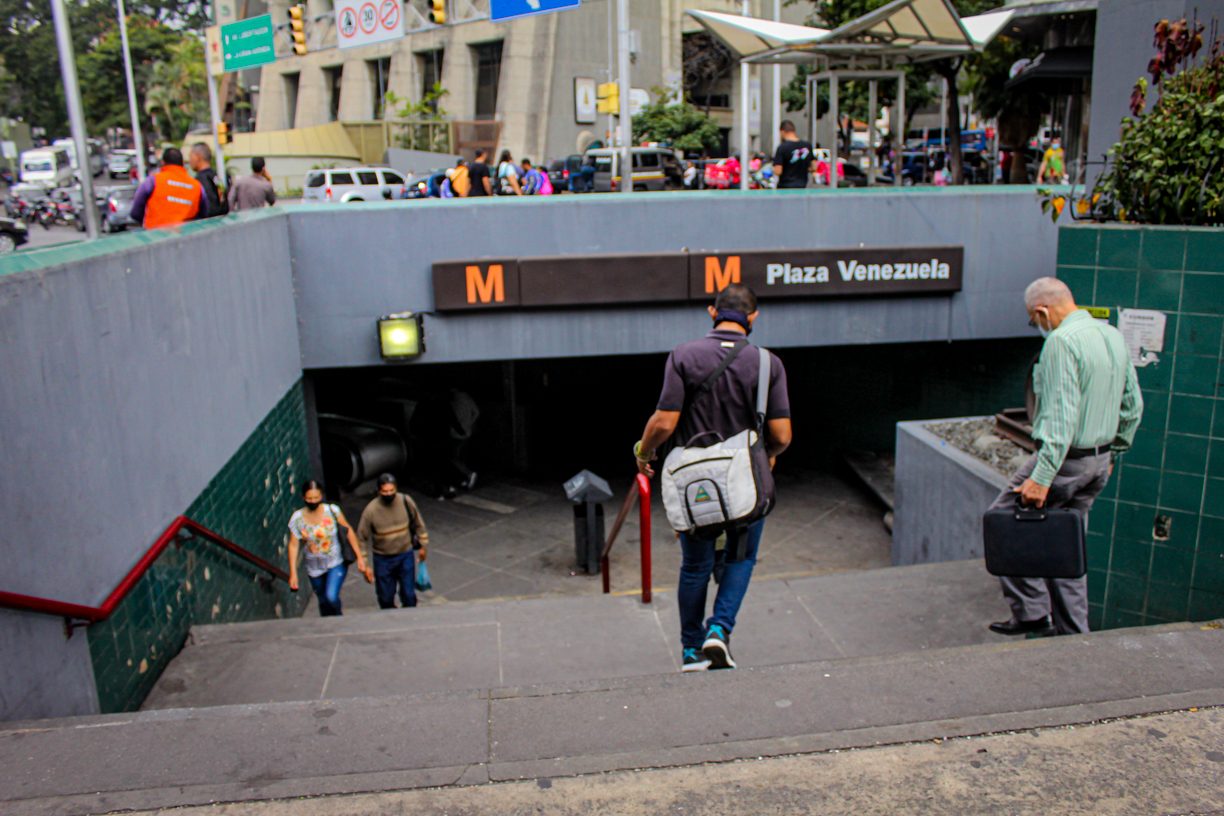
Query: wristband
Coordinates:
[637,452]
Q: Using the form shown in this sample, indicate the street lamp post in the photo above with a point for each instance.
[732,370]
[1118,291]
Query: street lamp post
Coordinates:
[137,139]
[745,141]
[626,119]
[76,117]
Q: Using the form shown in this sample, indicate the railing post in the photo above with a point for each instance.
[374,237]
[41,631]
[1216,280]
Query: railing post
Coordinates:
[643,485]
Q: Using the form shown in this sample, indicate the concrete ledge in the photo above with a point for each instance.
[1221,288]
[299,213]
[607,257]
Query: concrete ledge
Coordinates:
[941,494]
[244,753]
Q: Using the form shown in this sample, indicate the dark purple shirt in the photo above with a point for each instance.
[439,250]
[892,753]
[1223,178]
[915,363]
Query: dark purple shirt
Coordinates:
[730,406]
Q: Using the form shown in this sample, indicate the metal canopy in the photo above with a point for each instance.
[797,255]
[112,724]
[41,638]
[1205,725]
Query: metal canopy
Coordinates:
[901,32]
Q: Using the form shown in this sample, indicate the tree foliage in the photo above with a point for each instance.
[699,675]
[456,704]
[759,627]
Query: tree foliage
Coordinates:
[28,50]
[678,124]
[103,82]
[1167,166]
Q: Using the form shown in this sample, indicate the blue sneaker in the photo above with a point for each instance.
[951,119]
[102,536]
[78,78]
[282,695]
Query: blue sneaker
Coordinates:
[694,661]
[716,648]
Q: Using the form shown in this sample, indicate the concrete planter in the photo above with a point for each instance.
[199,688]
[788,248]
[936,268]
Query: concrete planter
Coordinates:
[941,493]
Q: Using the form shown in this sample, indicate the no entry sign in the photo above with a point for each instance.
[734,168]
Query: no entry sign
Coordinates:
[365,22]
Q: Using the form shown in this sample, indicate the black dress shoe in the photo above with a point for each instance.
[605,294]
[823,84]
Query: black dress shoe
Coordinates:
[1015,627]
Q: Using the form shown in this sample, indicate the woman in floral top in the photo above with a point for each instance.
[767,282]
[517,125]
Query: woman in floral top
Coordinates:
[314,529]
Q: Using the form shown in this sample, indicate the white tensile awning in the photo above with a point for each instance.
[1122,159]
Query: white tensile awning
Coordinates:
[901,31]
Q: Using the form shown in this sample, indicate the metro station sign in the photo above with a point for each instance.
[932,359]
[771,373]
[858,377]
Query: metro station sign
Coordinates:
[677,277]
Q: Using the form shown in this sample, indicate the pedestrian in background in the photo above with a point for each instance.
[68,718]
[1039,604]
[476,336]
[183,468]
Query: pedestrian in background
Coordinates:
[508,175]
[478,174]
[169,196]
[689,409]
[794,160]
[459,182]
[316,528]
[390,526]
[535,180]
[253,191]
[1088,408]
[200,160]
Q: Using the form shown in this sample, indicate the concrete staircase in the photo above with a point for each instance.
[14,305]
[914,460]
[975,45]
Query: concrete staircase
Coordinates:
[465,694]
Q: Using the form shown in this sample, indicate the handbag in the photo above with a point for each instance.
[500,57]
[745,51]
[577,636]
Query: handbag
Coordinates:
[727,486]
[1034,542]
[347,554]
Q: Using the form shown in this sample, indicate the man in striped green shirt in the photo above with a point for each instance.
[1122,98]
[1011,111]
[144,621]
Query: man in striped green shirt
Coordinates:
[1088,408]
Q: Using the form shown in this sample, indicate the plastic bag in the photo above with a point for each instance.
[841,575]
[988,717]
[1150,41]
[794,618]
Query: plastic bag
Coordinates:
[422,578]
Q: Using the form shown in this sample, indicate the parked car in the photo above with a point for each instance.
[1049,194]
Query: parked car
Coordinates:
[117,214]
[424,185]
[561,171]
[13,233]
[119,163]
[649,168]
[352,184]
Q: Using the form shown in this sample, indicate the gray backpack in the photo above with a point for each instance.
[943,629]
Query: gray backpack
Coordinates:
[725,486]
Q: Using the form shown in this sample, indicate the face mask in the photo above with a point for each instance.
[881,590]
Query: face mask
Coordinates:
[735,317]
[1045,332]
[386,499]
[312,506]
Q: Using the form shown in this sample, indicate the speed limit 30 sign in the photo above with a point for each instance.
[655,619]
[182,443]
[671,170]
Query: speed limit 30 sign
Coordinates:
[365,22]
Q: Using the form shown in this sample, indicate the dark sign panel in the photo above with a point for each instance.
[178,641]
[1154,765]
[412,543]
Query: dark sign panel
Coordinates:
[485,284]
[829,272]
[594,279]
[671,277]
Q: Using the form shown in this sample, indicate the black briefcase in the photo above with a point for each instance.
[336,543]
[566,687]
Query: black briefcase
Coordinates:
[1034,542]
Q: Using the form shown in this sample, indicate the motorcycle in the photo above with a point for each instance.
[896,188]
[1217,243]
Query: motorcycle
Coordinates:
[47,213]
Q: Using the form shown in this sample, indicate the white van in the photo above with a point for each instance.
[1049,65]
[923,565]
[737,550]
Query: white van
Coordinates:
[47,166]
[352,184]
[69,147]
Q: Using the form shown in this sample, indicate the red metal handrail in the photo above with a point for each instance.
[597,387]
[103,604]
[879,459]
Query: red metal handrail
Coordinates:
[95,614]
[641,497]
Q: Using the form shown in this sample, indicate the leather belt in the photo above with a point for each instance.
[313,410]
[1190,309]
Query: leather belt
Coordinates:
[1083,453]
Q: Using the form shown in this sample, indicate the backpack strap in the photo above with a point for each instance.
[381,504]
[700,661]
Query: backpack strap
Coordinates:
[705,387]
[762,389]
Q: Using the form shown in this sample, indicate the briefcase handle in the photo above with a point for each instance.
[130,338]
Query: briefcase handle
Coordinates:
[1026,513]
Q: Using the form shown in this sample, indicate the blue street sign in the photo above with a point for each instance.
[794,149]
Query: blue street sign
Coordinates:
[509,9]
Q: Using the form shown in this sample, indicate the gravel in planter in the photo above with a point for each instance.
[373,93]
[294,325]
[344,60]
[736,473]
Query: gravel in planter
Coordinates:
[977,437]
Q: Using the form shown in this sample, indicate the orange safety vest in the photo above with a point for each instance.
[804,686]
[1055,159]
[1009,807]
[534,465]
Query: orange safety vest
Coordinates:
[175,197]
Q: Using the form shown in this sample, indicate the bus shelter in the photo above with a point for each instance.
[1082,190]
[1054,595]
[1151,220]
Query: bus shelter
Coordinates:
[873,48]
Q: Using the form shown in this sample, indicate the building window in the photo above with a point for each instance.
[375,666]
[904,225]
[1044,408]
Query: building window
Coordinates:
[488,74]
[380,78]
[292,82]
[333,76]
[431,74]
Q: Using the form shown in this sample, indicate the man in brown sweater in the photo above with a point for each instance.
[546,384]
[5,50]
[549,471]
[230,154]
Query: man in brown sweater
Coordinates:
[387,528]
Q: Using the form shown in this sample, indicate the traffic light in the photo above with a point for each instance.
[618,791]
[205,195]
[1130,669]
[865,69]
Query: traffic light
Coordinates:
[437,12]
[223,134]
[297,22]
[608,96]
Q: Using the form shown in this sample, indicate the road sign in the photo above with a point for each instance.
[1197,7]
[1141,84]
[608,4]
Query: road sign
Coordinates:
[365,22]
[212,50]
[247,43]
[584,101]
[224,10]
[509,9]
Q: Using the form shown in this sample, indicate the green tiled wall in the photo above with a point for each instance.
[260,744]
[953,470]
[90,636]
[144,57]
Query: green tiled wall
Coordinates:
[1176,467]
[249,502]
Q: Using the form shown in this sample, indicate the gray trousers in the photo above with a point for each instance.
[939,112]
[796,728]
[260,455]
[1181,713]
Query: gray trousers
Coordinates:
[1076,486]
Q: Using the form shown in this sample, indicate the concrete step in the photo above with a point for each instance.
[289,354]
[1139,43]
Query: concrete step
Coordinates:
[236,753]
[461,646]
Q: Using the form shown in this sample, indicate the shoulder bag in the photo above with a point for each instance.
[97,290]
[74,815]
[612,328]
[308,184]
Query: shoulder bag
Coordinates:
[347,554]
[726,486]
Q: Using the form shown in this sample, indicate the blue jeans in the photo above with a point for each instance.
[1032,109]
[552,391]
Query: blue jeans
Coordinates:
[695,572]
[327,589]
[393,572]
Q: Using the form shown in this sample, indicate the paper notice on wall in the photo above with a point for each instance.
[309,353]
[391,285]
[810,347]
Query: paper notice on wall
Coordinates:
[1143,330]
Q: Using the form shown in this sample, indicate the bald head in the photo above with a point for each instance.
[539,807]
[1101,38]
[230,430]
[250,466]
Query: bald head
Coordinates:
[1049,292]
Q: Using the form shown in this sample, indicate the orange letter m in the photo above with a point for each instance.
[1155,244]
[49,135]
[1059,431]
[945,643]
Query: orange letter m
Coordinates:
[488,288]
[716,278]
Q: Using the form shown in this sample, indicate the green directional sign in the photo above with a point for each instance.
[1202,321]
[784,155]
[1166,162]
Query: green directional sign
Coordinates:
[247,43]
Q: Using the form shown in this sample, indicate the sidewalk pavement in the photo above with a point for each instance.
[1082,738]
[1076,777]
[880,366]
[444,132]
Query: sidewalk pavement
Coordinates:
[514,539]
